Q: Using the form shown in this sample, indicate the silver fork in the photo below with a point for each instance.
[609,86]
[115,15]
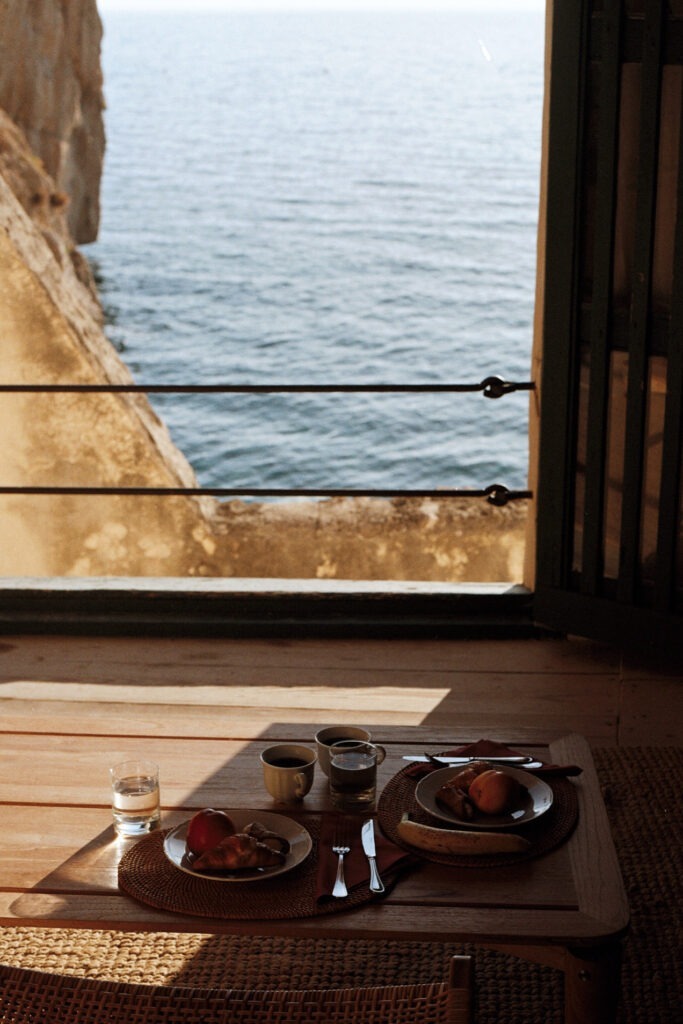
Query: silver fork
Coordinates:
[341,848]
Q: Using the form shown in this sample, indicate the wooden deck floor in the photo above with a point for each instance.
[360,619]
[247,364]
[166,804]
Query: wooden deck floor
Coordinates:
[533,689]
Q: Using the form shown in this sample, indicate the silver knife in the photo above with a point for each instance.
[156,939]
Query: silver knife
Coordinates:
[368,840]
[521,760]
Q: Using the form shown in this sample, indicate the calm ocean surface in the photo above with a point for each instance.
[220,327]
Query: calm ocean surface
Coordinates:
[342,198]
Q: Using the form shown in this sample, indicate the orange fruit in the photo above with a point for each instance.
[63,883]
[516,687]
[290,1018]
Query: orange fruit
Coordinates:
[494,792]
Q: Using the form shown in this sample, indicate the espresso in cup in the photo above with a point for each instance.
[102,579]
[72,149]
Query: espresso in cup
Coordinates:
[288,770]
[326,738]
[288,762]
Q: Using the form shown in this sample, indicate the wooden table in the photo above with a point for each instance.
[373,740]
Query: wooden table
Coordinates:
[59,854]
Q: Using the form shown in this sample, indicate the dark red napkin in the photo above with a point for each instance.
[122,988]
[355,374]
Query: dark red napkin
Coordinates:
[491,748]
[390,858]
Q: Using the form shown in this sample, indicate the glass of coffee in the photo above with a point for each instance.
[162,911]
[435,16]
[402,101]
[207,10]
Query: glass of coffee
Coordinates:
[353,774]
[326,738]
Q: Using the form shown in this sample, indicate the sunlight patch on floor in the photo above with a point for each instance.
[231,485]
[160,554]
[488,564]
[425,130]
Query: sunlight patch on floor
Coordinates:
[412,701]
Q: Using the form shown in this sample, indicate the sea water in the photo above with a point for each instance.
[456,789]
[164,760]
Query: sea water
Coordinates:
[326,198]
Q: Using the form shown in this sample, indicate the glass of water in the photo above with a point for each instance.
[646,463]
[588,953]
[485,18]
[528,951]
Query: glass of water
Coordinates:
[353,774]
[135,797]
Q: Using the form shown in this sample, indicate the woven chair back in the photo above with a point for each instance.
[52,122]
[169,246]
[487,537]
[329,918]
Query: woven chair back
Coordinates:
[27,996]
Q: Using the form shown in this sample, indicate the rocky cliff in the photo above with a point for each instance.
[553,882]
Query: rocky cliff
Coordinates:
[51,330]
[51,333]
[46,206]
[51,87]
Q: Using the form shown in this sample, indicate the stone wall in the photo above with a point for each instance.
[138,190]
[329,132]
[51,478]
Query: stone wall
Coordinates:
[448,540]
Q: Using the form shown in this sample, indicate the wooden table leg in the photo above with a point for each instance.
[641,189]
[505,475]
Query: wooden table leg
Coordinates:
[461,995]
[591,984]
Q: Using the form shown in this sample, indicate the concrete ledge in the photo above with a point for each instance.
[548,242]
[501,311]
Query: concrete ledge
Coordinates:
[264,607]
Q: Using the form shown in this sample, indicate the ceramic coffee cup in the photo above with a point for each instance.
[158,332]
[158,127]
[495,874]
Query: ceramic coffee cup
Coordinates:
[326,738]
[288,770]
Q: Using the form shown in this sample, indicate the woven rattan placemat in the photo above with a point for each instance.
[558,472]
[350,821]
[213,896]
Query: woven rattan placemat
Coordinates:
[146,874]
[551,829]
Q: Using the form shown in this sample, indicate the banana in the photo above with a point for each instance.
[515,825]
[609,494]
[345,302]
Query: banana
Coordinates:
[441,840]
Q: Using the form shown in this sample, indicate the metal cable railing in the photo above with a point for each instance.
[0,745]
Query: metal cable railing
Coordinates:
[490,387]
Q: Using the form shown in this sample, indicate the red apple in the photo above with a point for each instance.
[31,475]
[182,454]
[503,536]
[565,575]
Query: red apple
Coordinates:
[206,829]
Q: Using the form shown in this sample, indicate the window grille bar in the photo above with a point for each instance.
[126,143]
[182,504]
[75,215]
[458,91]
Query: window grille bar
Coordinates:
[669,541]
[492,387]
[609,84]
[641,302]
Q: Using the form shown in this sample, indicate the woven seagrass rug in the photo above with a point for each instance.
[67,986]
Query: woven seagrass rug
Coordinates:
[647,822]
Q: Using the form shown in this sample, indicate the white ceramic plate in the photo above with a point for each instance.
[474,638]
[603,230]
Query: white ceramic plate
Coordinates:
[300,842]
[537,800]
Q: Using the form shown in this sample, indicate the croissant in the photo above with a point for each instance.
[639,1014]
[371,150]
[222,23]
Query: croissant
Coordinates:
[467,775]
[454,794]
[456,800]
[237,852]
[264,835]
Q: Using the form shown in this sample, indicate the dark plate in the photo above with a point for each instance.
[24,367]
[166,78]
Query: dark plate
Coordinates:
[537,800]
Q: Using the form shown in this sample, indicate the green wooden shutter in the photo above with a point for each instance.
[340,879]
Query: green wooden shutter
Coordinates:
[609,543]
